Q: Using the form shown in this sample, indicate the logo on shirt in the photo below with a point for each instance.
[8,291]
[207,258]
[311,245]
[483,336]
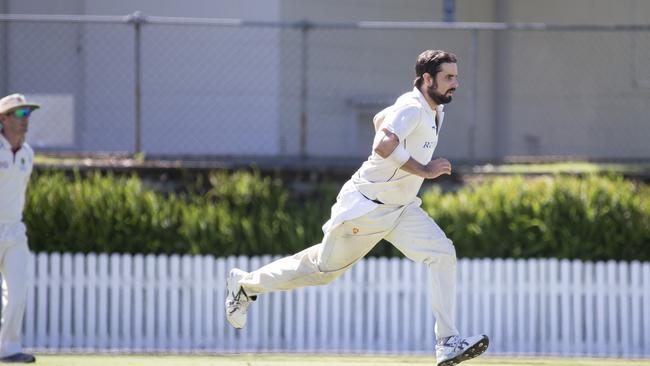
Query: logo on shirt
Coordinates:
[428,144]
[23,167]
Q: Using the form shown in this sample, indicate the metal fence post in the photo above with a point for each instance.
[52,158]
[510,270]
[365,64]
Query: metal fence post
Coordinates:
[4,49]
[501,89]
[137,19]
[471,133]
[304,29]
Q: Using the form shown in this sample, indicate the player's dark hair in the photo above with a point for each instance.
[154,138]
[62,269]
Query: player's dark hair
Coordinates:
[429,62]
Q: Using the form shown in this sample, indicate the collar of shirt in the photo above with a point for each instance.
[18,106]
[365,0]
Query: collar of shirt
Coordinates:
[4,144]
[426,105]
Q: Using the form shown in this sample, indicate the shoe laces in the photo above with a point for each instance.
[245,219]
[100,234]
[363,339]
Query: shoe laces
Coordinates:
[240,301]
[457,343]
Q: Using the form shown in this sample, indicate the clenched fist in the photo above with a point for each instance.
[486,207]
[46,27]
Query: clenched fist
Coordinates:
[436,168]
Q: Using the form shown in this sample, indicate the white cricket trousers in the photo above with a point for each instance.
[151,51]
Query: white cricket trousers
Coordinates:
[408,227]
[14,256]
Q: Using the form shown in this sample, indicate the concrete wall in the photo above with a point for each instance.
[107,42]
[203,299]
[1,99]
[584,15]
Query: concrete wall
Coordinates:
[198,84]
[574,93]
[237,91]
[250,9]
[192,103]
[354,73]
[534,93]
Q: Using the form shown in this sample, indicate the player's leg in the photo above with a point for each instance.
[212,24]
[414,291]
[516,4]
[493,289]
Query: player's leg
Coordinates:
[421,239]
[298,270]
[15,257]
[317,265]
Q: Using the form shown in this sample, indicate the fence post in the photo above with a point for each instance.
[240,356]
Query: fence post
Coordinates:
[102,302]
[115,311]
[473,91]
[137,19]
[304,32]
[54,301]
[4,52]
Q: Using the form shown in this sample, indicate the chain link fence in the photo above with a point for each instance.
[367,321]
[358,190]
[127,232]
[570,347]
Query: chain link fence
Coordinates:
[176,87]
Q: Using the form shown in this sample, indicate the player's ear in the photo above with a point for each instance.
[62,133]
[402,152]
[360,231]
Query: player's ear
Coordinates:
[428,79]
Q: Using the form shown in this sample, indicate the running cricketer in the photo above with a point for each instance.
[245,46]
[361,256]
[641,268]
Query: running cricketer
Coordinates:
[380,202]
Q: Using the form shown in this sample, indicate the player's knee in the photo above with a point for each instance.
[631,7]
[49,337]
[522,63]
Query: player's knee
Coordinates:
[331,271]
[329,277]
[442,253]
[330,267]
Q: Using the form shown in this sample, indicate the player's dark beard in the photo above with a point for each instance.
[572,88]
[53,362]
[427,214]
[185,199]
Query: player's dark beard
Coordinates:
[437,97]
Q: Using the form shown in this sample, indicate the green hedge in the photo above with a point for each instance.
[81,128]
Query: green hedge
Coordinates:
[242,213]
[246,213]
[590,218]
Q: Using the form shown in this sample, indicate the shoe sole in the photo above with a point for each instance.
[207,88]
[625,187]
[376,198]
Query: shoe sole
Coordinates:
[476,350]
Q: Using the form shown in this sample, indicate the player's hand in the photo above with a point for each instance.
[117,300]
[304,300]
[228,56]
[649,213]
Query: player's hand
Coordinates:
[436,168]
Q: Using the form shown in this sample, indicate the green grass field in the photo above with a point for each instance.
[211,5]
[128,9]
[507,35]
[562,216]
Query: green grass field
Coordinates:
[311,360]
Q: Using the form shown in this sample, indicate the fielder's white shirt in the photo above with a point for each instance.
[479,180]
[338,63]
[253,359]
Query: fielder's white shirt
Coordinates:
[14,176]
[414,122]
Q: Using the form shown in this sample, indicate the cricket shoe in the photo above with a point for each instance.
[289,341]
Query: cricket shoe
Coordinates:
[454,350]
[18,358]
[237,301]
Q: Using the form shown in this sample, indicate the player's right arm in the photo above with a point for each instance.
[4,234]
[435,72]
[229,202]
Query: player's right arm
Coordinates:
[378,119]
[393,124]
[433,169]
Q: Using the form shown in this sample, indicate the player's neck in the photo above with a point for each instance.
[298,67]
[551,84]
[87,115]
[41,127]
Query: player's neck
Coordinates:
[14,140]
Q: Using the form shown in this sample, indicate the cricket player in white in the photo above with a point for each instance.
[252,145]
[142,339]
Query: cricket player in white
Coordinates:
[15,168]
[380,202]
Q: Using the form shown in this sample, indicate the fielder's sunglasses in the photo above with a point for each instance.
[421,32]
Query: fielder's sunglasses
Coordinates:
[21,113]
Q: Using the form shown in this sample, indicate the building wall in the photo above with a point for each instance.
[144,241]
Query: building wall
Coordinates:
[534,93]
[249,9]
[575,93]
[355,73]
[197,93]
[204,89]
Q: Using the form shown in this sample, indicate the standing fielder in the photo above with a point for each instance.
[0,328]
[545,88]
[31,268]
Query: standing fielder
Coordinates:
[380,202]
[15,168]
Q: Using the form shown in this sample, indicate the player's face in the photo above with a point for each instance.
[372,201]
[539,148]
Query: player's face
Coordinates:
[15,124]
[445,83]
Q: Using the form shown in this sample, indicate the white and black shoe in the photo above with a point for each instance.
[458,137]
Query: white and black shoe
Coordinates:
[18,358]
[237,301]
[455,349]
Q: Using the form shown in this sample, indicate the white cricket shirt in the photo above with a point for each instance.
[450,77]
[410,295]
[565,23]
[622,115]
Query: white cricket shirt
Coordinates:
[14,176]
[414,122]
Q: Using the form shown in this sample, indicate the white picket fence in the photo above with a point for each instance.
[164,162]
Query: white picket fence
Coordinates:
[175,304]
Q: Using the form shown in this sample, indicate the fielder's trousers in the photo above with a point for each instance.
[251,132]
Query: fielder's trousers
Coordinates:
[14,256]
[408,227]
